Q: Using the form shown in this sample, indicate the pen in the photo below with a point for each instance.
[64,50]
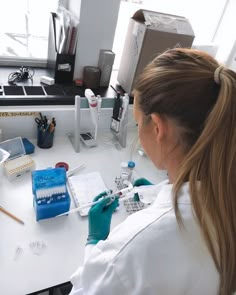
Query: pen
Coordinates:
[45,121]
[54,122]
[51,128]
[11,215]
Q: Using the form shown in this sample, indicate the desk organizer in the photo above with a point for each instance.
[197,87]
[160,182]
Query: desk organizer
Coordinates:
[45,137]
[62,64]
[50,195]
[18,162]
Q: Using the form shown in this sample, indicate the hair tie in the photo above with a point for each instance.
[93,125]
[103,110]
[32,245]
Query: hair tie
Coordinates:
[217,74]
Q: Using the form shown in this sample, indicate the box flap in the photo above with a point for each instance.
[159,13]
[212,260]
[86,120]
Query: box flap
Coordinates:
[13,146]
[4,155]
[163,22]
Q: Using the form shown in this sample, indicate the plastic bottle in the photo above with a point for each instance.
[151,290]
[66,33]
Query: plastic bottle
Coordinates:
[131,166]
[124,171]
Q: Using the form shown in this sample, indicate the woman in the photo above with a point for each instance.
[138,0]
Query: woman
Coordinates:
[185,242]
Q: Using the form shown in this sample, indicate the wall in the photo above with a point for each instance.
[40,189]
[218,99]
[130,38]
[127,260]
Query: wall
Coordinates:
[96,31]
[74,6]
[25,126]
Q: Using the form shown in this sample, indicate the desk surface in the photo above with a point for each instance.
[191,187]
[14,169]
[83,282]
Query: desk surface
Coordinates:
[65,236]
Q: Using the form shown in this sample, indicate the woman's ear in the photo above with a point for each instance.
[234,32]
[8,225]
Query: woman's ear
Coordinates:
[160,126]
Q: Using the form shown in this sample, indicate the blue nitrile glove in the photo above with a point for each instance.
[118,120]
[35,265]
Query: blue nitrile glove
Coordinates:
[99,217]
[140,182]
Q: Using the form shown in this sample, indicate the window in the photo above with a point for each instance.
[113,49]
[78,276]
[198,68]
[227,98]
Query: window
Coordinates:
[203,15]
[24,27]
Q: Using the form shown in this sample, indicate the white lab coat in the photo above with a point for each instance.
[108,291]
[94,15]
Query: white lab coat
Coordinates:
[148,254]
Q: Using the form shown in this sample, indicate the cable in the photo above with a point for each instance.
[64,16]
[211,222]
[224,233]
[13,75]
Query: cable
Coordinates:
[24,73]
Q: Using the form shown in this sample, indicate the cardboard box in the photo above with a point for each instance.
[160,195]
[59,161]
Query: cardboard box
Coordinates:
[149,34]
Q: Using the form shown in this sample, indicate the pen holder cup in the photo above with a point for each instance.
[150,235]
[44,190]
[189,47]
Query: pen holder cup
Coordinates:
[45,138]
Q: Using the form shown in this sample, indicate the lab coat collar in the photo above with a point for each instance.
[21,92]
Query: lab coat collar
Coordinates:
[165,194]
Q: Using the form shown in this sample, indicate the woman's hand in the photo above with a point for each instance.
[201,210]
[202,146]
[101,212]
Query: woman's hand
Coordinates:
[140,182]
[99,217]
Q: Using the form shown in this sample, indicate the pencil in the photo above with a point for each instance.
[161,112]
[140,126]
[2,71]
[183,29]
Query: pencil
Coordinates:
[11,215]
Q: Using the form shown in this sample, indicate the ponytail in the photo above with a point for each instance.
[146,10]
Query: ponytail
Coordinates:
[212,160]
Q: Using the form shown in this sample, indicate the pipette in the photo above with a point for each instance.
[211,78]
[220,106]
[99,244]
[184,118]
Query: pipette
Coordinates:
[120,194]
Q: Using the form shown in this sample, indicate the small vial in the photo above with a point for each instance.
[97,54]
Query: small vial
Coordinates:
[124,173]
[131,166]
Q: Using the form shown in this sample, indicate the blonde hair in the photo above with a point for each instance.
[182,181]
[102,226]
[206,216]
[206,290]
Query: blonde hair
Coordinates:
[190,87]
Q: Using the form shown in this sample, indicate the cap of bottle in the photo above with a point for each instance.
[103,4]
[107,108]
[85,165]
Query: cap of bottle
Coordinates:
[131,164]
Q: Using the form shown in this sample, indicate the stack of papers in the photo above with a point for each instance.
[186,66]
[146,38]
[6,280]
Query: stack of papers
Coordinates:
[84,188]
[65,27]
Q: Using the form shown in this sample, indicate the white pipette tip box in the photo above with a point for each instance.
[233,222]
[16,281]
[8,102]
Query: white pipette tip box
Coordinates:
[18,162]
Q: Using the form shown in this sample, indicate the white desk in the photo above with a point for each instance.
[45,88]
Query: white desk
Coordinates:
[65,236]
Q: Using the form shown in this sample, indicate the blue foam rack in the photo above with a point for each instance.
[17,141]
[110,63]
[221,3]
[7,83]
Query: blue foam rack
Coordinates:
[50,195]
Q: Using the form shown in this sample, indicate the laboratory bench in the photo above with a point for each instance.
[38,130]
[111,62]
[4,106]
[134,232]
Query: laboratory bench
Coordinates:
[60,241]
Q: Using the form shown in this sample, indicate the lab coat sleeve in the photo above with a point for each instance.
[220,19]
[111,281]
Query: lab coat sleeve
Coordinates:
[88,250]
[97,276]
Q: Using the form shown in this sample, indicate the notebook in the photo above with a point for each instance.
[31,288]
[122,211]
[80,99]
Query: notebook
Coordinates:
[84,188]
